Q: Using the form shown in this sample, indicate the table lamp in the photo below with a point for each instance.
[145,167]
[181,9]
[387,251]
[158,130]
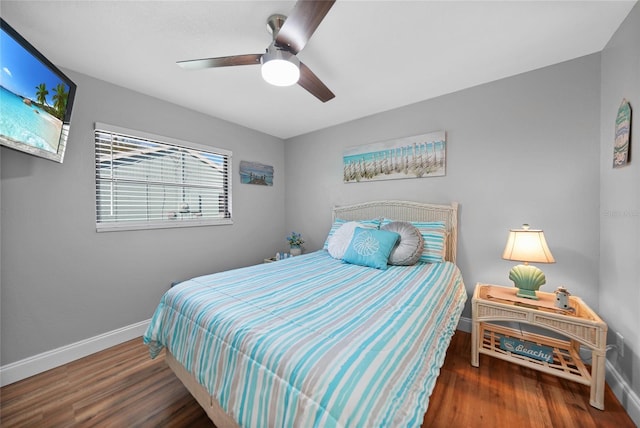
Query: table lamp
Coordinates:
[528,246]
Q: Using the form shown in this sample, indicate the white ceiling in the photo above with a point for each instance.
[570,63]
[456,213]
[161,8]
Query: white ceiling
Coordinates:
[374,55]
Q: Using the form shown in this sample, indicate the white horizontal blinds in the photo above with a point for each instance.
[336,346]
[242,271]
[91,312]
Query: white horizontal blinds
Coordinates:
[143,180]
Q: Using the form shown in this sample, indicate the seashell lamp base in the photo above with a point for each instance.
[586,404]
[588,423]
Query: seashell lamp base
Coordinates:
[528,279]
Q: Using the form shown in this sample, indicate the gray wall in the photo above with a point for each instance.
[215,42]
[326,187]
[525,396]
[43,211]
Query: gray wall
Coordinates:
[520,150]
[620,202]
[62,282]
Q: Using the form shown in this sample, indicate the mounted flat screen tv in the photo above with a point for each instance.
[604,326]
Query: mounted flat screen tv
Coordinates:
[35,99]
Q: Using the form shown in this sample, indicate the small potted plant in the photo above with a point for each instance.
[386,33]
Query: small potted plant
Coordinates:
[295,243]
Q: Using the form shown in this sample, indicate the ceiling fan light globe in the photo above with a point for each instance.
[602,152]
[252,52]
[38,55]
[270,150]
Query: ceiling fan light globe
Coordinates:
[280,67]
[280,72]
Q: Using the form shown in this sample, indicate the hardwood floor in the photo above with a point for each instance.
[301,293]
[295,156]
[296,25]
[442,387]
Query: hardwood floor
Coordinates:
[502,394]
[123,387]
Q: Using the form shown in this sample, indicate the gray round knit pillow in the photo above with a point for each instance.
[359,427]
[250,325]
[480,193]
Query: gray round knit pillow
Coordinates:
[410,245]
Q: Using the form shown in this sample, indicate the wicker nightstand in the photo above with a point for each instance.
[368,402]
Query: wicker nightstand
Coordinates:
[581,326]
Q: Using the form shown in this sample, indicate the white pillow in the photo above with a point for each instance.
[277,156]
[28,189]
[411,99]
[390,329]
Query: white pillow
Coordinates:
[336,224]
[341,238]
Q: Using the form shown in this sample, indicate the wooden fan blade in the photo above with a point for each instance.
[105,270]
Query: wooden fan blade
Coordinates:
[301,23]
[309,81]
[223,61]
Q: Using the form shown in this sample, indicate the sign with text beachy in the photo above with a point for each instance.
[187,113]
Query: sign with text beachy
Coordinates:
[528,349]
[419,156]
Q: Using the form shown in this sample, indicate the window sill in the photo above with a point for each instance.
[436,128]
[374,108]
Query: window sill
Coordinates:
[117,227]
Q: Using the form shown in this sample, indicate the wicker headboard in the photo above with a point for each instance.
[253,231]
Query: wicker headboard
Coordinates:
[406,211]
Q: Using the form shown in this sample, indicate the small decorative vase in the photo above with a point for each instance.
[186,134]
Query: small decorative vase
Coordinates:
[295,251]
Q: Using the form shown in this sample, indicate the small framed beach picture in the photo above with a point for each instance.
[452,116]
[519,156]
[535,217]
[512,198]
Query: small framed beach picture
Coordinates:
[621,145]
[418,156]
[256,173]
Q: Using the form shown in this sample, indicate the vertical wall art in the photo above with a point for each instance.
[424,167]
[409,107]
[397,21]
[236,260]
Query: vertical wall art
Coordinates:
[622,144]
[409,157]
[256,173]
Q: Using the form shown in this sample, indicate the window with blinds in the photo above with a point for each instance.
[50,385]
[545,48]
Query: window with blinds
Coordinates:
[145,181]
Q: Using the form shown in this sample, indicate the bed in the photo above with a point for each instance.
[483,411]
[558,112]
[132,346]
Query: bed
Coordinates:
[314,341]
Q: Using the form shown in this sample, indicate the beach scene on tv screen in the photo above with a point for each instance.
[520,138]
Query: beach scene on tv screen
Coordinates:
[33,98]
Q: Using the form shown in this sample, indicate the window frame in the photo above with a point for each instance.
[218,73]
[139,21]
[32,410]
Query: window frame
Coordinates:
[111,226]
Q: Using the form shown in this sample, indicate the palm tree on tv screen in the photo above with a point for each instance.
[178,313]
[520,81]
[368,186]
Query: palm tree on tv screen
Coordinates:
[60,100]
[41,93]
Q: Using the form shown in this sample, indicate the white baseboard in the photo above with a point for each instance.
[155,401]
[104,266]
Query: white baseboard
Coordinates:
[30,366]
[625,395]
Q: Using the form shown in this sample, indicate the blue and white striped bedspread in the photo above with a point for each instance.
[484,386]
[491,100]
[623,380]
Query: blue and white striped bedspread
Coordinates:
[314,342]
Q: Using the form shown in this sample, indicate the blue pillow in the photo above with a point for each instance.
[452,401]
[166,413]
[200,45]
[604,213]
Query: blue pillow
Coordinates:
[370,247]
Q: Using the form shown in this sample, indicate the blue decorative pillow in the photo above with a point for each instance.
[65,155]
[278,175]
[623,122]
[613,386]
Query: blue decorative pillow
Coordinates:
[340,240]
[370,247]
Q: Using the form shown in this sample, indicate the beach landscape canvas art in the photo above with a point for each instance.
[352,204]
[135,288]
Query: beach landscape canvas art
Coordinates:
[418,156]
[256,173]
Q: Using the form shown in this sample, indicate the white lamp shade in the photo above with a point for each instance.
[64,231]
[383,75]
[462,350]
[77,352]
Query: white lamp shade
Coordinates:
[280,68]
[527,245]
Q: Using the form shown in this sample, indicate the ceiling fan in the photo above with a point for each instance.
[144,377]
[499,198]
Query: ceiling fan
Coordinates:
[290,35]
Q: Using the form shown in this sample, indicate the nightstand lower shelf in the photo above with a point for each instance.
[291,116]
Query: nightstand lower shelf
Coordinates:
[566,359]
